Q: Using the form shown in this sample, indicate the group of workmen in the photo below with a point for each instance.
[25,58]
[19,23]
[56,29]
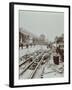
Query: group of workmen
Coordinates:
[58,55]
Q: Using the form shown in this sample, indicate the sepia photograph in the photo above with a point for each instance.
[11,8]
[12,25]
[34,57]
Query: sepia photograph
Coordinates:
[41,44]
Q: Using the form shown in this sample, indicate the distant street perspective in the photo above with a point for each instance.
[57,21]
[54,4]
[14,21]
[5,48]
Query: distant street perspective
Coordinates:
[39,58]
[41,45]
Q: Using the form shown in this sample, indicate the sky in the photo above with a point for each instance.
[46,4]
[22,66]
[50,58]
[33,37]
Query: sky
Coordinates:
[50,24]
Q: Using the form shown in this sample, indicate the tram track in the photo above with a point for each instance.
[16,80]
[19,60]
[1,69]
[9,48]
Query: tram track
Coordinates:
[35,61]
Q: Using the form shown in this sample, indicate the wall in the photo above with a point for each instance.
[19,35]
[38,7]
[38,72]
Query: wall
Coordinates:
[4,43]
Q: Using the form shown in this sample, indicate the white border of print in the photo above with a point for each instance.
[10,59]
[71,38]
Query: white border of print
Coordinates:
[16,45]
